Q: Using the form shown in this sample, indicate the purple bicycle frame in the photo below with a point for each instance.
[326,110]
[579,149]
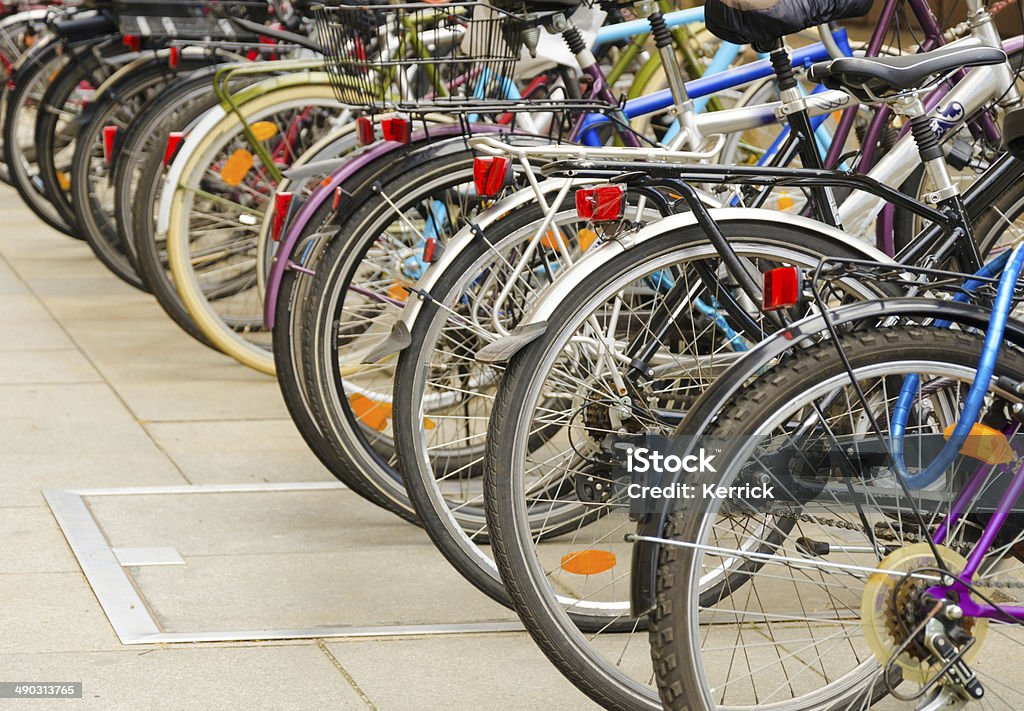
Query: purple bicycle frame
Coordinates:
[968,604]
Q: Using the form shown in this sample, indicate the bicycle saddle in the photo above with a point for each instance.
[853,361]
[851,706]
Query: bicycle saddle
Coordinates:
[865,77]
[764,22]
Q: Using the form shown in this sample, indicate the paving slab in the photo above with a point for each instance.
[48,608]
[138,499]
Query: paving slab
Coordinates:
[52,612]
[239,451]
[352,588]
[26,325]
[483,672]
[65,365]
[253,523]
[32,542]
[71,436]
[268,677]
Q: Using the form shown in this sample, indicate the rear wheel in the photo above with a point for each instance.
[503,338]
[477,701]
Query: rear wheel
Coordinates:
[548,465]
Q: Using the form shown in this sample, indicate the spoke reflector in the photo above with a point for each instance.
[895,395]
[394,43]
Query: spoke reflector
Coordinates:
[398,292]
[588,562]
[371,413]
[550,240]
[586,238]
[235,167]
[264,130]
[985,444]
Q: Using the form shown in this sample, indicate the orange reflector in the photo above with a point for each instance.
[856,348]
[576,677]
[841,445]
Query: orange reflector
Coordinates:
[985,444]
[550,240]
[264,130]
[64,180]
[586,238]
[235,167]
[371,413]
[428,424]
[398,292]
[588,562]
[785,202]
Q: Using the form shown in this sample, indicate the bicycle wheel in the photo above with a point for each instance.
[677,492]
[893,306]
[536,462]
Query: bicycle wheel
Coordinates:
[361,283]
[216,212]
[177,110]
[442,397]
[31,80]
[58,122]
[547,462]
[845,613]
[92,185]
[13,47]
[293,297]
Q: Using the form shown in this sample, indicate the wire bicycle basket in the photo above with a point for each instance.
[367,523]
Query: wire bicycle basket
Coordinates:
[188,19]
[421,57]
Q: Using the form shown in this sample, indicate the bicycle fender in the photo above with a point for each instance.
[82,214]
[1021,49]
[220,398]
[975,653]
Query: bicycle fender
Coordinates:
[325,191]
[399,337]
[556,292]
[174,173]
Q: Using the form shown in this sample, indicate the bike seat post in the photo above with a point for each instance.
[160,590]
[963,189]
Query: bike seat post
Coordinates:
[932,156]
[676,83]
[793,110]
[945,194]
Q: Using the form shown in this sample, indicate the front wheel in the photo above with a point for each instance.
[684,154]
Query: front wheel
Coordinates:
[826,631]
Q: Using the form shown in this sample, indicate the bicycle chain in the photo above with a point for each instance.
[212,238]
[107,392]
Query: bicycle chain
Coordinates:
[888,535]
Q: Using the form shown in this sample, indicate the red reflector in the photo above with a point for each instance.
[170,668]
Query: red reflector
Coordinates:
[174,139]
[491,174]
[132,42]
[782,288]
[364,130]
[428,250]
[109,136]
[174,58]
[605,203]
[337,198]
[395,129]
[281,203]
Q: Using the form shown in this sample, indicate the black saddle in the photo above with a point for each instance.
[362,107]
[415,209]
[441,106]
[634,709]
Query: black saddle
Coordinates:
[763,22]
[868,77]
